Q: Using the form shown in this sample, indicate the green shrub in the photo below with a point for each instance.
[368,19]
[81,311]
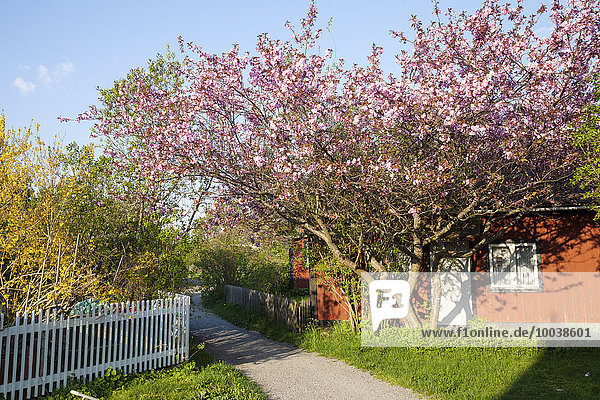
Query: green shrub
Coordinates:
[295,293]
[231,258]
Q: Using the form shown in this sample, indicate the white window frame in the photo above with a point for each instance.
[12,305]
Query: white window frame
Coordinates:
[518,278]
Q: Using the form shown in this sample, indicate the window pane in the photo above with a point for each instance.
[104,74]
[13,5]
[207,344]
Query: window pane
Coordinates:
[514,265]
[525,256]
[503,266]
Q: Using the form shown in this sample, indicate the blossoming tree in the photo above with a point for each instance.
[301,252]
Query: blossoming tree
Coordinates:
[473,123]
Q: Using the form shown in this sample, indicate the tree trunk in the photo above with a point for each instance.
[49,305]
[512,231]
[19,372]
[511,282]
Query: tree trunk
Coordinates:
[436,294]
[412,319]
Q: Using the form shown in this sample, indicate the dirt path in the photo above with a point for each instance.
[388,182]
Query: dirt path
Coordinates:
[284,371]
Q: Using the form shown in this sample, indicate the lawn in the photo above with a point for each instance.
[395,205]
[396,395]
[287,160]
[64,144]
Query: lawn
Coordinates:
[446,373]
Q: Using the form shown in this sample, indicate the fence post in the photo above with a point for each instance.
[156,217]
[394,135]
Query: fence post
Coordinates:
[6,360]
[23,364]
[126,326]
[149,334]
[16,352]
[187,327]
[161,327]
[67,347]
[37,389]
[96,328]
[144,333]
[110,351]
[61,355]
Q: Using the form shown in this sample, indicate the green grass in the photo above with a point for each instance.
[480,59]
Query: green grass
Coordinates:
[296,293]
[446,373]
[200,378]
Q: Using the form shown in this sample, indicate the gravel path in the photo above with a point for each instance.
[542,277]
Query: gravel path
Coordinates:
[284,371]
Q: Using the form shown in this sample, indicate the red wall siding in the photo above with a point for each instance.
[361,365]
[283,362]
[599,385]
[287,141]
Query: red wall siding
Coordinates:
[300,274]
[569,243]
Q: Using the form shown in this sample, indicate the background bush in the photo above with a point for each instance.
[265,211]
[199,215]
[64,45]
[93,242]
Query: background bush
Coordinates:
[235,257]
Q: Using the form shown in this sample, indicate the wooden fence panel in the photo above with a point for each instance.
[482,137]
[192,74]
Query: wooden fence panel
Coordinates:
[295,314]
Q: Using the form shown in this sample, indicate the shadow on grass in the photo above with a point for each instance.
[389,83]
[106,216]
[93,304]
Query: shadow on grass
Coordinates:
[559,373]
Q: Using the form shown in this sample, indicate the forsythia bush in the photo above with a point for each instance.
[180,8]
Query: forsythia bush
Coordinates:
[70,229]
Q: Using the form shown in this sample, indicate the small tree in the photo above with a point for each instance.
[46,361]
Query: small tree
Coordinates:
[587,139]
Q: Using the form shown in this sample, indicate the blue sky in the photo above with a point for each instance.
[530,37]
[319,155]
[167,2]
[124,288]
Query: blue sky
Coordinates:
[55,53]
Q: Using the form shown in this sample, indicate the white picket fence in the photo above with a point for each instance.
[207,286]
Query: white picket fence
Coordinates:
[42,349]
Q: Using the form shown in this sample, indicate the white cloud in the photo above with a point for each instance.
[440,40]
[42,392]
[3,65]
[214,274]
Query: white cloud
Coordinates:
[44,75]
[24,86]
[59,72]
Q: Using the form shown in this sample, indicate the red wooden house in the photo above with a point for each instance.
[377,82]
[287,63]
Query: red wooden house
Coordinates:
[554,259]
[544,269]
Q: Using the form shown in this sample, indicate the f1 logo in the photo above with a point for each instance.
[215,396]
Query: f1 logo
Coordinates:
[389,299]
